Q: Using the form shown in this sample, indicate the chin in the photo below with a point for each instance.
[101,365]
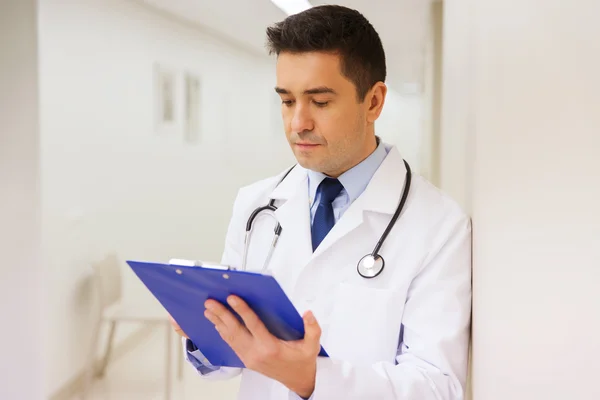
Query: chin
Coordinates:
[311,161]
[307,163]
[304,163]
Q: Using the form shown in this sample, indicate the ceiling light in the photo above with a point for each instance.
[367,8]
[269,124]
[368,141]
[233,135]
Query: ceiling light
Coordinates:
[292,6]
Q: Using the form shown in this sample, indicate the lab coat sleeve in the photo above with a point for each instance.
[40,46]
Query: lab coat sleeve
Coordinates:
[232,255]
[432,358]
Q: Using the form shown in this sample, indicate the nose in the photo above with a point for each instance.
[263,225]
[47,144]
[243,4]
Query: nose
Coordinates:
[302,120]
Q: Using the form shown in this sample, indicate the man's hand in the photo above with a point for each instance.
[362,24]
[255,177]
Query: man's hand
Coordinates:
[293,363]
[177,328]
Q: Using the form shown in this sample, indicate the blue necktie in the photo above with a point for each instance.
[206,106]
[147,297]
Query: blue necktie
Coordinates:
[324,219]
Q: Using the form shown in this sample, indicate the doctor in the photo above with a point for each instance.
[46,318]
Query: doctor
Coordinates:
[402,334]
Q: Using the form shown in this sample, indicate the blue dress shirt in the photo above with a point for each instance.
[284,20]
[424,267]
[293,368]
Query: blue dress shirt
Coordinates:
[355,181]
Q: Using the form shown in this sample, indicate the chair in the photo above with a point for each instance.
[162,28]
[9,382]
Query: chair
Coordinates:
[107,283]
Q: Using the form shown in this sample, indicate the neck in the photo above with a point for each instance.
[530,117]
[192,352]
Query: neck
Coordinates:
[372,144]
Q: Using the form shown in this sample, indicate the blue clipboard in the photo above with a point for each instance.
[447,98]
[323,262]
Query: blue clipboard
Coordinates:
[182,291]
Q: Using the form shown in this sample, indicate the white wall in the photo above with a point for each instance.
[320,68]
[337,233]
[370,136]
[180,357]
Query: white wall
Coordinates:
[110,183]
[455,146]
[432,95]
[21,272]
[400,124]
[533,91]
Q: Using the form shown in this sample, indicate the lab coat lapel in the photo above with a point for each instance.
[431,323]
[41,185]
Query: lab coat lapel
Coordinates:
[382,195]
[294,217]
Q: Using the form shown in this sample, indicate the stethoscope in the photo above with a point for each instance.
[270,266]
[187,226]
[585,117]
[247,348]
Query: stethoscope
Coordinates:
[369,266]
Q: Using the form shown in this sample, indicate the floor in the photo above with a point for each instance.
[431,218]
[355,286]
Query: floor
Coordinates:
[139,375]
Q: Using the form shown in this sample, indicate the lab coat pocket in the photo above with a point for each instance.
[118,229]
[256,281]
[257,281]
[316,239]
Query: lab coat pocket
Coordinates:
[364,324]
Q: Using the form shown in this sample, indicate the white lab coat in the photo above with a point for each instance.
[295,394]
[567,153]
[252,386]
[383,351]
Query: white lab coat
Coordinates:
[423,295]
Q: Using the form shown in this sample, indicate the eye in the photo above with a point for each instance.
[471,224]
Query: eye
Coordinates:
[287,103]
[321,104]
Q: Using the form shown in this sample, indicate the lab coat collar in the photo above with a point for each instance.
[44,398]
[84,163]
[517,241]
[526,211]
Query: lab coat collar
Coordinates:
[291,184]
[385,189]
[294,217]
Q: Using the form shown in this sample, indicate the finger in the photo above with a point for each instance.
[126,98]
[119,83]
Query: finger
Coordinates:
[251,320]
[228,326]
[212,317]
[221,312]
[312,333]
[177,328]
[181,333]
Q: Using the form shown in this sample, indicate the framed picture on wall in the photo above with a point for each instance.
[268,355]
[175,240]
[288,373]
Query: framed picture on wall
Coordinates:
[192,107]
[165,100]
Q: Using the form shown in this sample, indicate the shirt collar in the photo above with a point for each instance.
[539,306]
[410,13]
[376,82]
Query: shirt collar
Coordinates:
[356,179]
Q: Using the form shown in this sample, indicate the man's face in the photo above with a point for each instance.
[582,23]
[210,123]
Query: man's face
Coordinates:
[325,123]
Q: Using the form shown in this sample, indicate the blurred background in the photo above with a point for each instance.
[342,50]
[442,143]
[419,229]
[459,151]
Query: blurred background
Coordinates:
[127,127]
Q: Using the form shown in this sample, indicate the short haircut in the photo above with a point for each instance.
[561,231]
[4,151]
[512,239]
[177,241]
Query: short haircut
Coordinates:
[337,30]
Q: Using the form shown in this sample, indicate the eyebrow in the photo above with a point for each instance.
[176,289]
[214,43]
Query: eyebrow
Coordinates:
[317,90]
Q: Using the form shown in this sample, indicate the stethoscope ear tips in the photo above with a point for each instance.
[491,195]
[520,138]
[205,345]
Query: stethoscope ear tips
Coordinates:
[370,266]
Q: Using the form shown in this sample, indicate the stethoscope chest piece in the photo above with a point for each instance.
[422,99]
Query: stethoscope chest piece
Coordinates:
[370,266]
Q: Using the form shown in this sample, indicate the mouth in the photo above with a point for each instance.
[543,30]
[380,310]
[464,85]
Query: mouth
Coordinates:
[307,145]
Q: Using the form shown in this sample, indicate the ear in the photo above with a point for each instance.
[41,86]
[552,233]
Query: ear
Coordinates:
[375,100]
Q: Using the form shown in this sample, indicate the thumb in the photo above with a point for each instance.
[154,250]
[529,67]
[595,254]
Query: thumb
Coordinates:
[312,331]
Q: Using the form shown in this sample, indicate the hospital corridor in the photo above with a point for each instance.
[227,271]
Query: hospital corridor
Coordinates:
[299,199]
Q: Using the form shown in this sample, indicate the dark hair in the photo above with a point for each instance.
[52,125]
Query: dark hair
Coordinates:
[338,30]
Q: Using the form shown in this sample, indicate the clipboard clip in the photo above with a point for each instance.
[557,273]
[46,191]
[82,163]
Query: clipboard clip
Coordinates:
[198,263]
